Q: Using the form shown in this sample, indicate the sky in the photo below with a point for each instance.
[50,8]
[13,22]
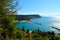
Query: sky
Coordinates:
[41,7]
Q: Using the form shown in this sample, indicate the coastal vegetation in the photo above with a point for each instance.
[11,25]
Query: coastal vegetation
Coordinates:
[9,31]
[27,17]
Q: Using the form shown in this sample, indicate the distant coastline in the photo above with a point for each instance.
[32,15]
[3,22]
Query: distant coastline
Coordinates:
[27,17]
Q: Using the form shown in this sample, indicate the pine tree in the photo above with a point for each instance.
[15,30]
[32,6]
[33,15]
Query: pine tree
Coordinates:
[7,18]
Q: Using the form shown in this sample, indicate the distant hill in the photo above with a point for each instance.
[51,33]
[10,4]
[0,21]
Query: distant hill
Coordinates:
[34,16]
[27,17]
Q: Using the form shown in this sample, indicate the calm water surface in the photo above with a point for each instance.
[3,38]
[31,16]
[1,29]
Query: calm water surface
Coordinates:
[43,24]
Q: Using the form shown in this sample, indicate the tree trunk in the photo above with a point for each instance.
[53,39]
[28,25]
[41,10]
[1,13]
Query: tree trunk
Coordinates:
[7,37]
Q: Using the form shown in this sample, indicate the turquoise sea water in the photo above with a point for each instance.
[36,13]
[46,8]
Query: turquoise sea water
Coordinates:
[45,24]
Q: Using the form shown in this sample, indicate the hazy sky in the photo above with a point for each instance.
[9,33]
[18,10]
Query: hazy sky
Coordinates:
[41,7]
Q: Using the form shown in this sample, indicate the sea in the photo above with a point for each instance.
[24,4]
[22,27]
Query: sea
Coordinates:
[44,24]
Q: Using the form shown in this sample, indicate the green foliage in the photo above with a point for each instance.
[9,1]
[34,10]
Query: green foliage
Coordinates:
[7,18]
